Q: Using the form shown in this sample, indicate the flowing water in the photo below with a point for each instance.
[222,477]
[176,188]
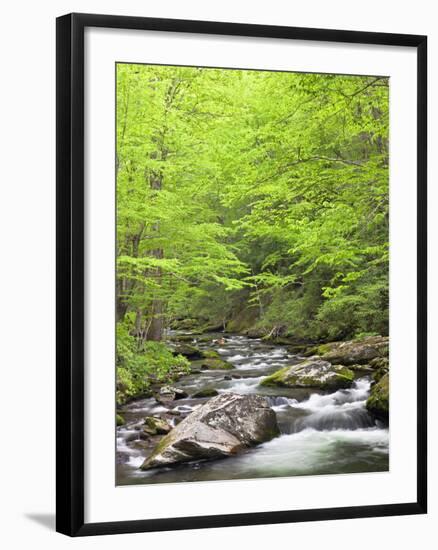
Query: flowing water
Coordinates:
[320,433]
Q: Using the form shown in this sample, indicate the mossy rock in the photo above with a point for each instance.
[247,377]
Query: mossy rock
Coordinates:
[380,363]
[311,374]
[156,426]
[210,354]
[278,378]
[379,374]
[319,349]
[185,324]
[378,401]
[187,350]
[357,351]
[214,364]
[299,349]
[361,369]
[278,340]
[119,420]
[205,392]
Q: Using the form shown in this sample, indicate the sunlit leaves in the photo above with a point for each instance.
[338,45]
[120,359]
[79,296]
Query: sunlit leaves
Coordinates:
[254,186]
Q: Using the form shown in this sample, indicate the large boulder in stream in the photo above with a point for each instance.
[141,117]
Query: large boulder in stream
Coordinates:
[313,373]
[354,351]
[224,426]
[378,401]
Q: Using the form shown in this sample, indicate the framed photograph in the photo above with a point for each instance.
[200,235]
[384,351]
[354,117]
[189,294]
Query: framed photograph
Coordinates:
[241,274]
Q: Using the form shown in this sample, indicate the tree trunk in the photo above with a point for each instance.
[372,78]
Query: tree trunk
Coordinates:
[156,326]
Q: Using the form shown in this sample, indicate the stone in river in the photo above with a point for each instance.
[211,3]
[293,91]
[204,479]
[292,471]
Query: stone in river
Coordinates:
[378,401]
[205,392]
[210,354]
[353,352]
[167,394]
[225,425]
[187,350]
[313,373]
[214,364]
[156,426]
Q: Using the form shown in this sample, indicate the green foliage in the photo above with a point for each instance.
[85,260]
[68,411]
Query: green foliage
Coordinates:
[138,368]
[249,198]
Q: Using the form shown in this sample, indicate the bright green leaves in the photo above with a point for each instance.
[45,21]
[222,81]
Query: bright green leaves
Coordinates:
[253,187]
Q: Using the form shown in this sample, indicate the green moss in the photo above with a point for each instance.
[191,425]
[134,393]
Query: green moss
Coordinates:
[380,363]
[215,364]
[285,377]
[278,378]
[162,444]
[320,349]
[119,420]
[323,349]
[210,354]
[153,426]
[346,373]
[378,401]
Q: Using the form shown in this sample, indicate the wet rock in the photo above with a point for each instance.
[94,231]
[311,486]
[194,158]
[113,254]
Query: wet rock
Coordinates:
[361,369]
[156,426]
[189,351]
[167,394]
[228,377]
[313,373]
[215,364]
[355,351]
[378,402]
[205,392]
[224,426]
[380,363]
[210,354]
[379,374]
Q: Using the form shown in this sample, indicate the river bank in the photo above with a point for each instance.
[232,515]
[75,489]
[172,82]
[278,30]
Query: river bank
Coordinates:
[321,431]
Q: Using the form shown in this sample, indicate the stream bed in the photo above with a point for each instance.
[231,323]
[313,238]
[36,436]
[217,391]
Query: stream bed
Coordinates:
[321,433]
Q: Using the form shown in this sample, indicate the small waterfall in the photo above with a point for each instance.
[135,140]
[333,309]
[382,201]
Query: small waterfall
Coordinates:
[340,418]
[341,410]
[277,402]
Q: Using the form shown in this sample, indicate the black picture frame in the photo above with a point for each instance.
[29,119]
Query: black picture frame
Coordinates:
[70,273]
